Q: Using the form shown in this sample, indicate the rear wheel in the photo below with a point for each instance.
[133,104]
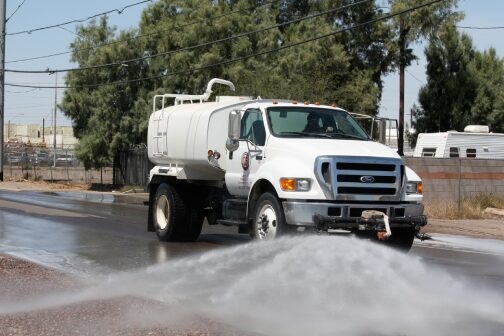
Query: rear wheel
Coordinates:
[173,220]
[269,221]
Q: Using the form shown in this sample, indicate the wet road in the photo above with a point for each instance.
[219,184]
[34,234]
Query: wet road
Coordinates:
[95,236]
[452,285]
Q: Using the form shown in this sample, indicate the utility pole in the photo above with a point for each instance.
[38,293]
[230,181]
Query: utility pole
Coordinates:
[55,108]
[43,130]
[402,65]
[2,83]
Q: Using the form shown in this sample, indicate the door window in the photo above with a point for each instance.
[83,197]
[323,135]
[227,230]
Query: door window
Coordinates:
[454,152]
[252,127]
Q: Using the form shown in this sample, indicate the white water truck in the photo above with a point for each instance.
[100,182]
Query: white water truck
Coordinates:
[272,167]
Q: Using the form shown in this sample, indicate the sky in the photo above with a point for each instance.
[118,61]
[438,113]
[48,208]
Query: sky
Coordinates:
[30,106]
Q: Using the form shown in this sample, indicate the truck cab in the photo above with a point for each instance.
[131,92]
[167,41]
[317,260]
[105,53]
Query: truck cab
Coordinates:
[283,167]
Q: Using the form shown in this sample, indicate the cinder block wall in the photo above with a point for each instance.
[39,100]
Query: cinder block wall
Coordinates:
[451,179]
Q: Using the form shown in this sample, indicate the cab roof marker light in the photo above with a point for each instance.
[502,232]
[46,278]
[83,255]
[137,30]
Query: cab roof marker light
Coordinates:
[275,102]
[307,103]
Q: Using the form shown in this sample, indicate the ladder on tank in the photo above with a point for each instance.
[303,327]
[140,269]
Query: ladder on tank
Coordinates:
[180,99]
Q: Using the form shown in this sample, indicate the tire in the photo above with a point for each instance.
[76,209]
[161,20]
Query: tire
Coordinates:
[173,221]
[401,239]
[193,224]
[269,220]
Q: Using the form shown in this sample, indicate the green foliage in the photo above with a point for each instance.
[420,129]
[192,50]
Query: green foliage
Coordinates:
[464,86]
[414,26]
[103,117]
[345,68]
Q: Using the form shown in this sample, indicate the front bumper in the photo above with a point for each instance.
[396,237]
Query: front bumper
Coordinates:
[326,216]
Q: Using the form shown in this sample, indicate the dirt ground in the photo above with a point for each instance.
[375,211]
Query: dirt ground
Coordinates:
[24,281]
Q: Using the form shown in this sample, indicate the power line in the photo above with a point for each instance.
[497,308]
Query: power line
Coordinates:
[68,30]
[16,92]
[237,59]
[116,10]
[120,63]
[15,11]
[415,77]
[143,35]
[480,28]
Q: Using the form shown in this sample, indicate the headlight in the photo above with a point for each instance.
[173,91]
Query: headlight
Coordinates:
[295,184]
[414,188]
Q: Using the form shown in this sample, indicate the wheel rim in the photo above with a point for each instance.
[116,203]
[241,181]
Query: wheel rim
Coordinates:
[267,222]
[162,212]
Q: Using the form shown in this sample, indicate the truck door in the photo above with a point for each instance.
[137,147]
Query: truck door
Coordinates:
[246,160]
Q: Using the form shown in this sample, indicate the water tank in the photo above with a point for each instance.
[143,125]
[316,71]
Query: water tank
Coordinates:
[477,129]
[183,134]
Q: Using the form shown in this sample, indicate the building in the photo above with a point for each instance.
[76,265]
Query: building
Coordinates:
[35,134]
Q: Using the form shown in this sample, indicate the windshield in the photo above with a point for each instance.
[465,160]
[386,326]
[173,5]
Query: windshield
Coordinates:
[311,122]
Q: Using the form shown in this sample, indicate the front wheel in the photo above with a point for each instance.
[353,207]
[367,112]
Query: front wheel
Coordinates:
[269,221]
[401,239]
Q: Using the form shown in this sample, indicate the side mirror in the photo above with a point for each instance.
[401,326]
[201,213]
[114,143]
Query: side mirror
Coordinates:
[234,126]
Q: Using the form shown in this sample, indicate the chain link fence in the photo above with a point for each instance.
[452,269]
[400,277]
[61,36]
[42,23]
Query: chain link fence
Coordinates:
[42,163]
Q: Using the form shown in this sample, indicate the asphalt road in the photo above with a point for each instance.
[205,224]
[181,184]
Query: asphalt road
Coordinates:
[97,237]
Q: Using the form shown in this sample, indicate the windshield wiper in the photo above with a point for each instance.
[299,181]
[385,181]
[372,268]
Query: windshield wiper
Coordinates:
[306,134]
[344,135]
[326,135]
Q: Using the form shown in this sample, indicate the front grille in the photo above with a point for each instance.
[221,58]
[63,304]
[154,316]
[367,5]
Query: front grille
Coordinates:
[357,178]
[366,191]
[364,166]
[360,178]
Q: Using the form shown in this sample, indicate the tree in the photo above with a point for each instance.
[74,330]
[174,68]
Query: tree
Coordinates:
[345,68]
[103,117]
[488,107]
[413,27]
[464,86]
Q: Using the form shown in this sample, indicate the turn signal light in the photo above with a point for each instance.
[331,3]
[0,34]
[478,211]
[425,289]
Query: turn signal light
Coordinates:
[420,188]
[288,184]
[295,184]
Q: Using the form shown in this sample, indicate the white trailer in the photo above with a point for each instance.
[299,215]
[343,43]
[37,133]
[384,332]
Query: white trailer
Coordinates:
[475,142]
[271,167]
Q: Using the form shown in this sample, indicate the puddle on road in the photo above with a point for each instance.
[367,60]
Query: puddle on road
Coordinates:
[462,243]
[318,285]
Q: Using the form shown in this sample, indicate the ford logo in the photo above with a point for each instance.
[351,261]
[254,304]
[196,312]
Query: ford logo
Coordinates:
[367,179]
